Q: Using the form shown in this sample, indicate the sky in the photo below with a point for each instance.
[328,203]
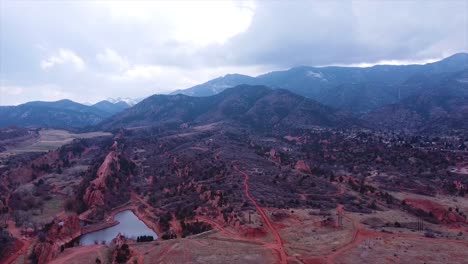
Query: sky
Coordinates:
[92,50]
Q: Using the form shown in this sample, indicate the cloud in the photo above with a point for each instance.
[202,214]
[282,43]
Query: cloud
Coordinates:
[136,49]
[64,56]
[14,94]
[11,90]
[163,79]
[112,60]
[288,34]
[9,93]
[194,22]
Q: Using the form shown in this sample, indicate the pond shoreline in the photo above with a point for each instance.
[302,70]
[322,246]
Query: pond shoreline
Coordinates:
[133,223]
[109,222]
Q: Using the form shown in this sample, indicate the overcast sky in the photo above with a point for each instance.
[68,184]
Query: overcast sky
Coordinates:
[88,51]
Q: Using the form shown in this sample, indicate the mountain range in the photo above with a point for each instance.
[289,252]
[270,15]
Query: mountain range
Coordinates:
[413,98]
[354,89]
[440,106]
[111,108]
[259,107]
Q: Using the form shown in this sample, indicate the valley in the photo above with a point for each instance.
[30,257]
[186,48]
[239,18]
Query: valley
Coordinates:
[309,195]
[252,174]
[234,131]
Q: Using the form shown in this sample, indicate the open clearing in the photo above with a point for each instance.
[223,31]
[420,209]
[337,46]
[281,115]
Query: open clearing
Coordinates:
[50,139]
[395,249]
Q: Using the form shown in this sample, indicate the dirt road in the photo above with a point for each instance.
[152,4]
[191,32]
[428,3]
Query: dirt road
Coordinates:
[279,242]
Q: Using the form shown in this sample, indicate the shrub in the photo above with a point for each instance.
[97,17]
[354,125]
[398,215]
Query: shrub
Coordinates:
[6,240]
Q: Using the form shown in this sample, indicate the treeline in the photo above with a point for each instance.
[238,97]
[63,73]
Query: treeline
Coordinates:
[189,229]
[6,241]
[145,238]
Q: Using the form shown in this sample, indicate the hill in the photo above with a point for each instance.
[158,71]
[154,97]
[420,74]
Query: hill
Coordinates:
[111,108]
[258,107]
[440,108]
[58,114]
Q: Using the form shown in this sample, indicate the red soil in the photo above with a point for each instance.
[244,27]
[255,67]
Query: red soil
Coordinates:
[21,245]
[279,242]
[94,195]
[442,215]
[74,253]
[19,248]
[360,235]
[302,166]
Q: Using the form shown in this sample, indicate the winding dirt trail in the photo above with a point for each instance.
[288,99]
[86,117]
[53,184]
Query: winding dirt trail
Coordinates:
[360,234]
[25,243]
[339,193]
[218,227]
[279,242]
[356,227]
[73,254]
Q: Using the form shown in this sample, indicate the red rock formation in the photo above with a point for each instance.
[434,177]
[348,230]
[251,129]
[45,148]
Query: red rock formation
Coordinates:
[124,251]
[64,228]
[302,166]
[439,212]
[458,185]
[94,195]
[273,153]
[62,231]
[119,240]
[182,172]
[36,168]
[45,252]
[298,140]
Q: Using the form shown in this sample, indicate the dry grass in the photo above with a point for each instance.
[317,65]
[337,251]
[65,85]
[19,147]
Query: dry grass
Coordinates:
[87,254]
[445,200]
[304,237]
[205,250]
[389,249]
[49,210]
[50,139]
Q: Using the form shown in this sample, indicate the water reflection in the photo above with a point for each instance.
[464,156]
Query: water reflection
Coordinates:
[129,226]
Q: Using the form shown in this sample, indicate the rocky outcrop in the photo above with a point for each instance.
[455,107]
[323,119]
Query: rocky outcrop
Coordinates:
[60,232]
[299,140]
[302,166]
[123,253]
[64,228]
[435,210]
[119,240]
[94,195]
[44,252]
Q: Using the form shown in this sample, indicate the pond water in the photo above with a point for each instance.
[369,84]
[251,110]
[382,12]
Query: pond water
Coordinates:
[129,226]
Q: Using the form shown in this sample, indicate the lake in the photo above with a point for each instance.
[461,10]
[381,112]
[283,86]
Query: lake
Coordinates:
[129,226]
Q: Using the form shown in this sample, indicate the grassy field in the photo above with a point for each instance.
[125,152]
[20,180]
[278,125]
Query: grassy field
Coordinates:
[50,139]
[49,210]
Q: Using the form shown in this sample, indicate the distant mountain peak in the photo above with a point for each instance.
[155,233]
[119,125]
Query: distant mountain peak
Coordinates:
[110,107]
[457,56]
[316,74]
[128,100]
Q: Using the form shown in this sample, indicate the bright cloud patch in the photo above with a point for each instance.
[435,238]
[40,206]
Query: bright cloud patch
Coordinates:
[196,22]
[63,57]
[111,59]
[13,94]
